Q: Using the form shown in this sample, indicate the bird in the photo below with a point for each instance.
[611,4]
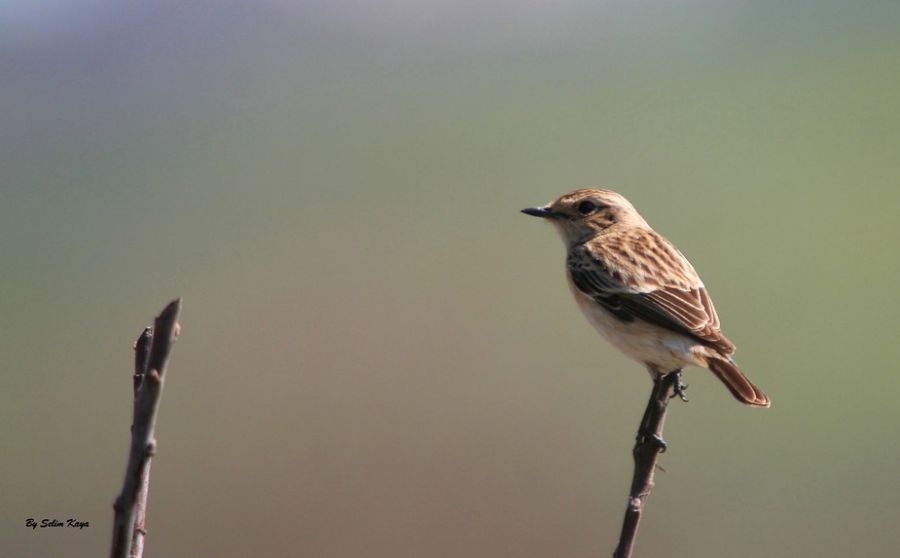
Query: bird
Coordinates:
[640,292]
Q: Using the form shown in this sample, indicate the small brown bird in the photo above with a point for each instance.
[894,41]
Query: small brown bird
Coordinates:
[639,291]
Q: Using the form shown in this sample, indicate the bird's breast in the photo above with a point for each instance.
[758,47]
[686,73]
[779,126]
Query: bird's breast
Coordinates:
[638,339]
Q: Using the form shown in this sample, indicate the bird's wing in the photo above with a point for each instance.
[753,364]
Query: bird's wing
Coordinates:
[641,275]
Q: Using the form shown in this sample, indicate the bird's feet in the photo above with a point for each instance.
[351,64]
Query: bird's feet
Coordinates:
[653,439]
[680,387]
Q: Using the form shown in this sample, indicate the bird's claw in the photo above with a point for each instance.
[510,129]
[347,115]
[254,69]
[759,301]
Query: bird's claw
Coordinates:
[680,388]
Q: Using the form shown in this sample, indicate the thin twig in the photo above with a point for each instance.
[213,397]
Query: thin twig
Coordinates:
[141,359]
[648,446]
[151,358]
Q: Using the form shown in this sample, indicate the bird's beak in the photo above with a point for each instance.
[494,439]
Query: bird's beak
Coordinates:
[544,212]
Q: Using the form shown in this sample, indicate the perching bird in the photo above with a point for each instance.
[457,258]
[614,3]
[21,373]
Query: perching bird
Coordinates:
[639,291]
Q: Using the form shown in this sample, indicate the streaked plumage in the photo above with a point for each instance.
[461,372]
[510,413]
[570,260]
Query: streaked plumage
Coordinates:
[639,291]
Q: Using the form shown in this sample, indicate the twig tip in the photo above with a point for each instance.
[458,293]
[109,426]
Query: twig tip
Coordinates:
[171,308]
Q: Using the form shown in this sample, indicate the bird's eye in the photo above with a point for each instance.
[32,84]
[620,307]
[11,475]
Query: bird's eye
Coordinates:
[586,207]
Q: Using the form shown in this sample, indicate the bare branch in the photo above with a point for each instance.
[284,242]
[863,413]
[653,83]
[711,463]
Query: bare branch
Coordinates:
[648,446]
[152,350]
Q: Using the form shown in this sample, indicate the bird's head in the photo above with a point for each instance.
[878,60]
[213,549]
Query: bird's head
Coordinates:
[587,212]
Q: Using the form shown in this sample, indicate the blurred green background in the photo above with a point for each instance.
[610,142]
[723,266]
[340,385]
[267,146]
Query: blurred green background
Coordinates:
[379,354]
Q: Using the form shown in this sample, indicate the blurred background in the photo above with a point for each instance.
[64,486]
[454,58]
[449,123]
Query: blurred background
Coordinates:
[379,354]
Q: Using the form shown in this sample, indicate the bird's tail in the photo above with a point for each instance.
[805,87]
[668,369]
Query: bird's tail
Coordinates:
[738,384]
